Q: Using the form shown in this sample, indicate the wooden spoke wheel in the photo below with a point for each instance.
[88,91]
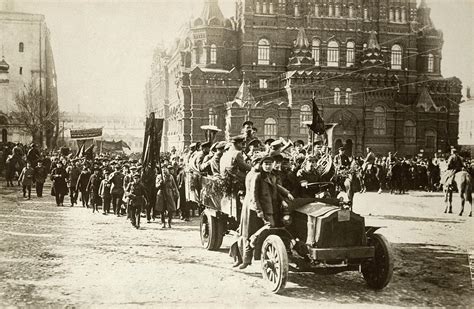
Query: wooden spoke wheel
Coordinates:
[274,263]
[211,232]
[378,271]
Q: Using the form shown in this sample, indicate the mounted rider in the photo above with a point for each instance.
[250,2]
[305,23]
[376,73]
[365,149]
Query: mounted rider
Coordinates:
[341,160]
[369,160]
[455,164]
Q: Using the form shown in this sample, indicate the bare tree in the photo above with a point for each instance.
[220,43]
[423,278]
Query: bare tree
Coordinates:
[35,112]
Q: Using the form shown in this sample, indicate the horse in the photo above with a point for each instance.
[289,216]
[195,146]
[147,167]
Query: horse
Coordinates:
[372,175]
[347,181]
[464,185]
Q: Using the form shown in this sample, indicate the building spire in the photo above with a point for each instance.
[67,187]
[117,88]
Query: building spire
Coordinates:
[211,10]
[373,42]
[301,39]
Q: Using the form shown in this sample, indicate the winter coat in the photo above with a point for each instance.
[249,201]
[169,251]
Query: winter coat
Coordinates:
[58,176]
[167,193]
[27,176]
[136,194]
[83,180]
[116,181]
[40,174]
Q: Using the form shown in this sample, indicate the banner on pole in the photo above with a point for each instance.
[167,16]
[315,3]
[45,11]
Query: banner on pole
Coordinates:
[86,133]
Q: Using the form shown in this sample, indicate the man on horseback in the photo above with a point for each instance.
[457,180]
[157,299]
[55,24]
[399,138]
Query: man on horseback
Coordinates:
[455,164]
[341,160]
[369,160]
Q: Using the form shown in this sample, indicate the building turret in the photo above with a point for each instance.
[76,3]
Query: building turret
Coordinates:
[429,42]
[373,56]
[301,54]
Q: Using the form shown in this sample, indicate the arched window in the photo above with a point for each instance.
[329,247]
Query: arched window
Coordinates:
[366,14]
[380,121]
[430,63]
[348,96]
[337,11]
[305,115]
[430,140]
[270,10]
[212,117]
[330,10]
[351,11]
[315,51]
[316,10]
[21,47]
[396,59]
[257,7]
[333,54]
[403,15]
[390,15]
[337,96]
[263,51]
[264,8]
[397,15]
[213,54]
[350,54]
[270,128]
[297,10]
[409,132]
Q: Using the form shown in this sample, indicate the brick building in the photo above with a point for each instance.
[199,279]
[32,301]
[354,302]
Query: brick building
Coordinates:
[374,67]
[27,57]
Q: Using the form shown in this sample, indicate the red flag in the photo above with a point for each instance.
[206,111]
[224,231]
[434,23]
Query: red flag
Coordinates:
[317,126]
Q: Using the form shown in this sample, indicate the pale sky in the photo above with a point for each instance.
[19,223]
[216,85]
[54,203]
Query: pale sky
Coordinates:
[103,48]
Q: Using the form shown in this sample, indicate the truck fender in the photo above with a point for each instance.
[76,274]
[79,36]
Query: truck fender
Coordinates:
[369,230]
[281,232]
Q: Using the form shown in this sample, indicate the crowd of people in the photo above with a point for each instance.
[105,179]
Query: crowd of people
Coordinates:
[121,186]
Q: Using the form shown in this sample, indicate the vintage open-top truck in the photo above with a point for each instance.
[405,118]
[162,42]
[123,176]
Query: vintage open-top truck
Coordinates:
[320,235]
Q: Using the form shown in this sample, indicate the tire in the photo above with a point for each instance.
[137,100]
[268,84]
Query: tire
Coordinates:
[211,232]
[378,271]
[274,263]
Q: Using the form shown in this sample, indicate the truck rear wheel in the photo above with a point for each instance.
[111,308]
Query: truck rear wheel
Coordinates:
[378,271]
[211,231]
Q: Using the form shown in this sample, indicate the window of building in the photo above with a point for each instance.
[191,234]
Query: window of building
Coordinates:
[337,96]
[315,51]
[263,51]
[316,10]
[21,47]
[264,8]
[297,10]
[212,117]
[403,15]
[430,140]
[270,9]
[430,63]
[305,116]
[390,15]
[257,7]
[333,54]
[213,54]
[351,11]
[396,57]
[397,15]
[350,54]
[270,128]
[330,11]
[366,14]
[410,132]
[348,96]
[337,11]
[21,70]
[263,83]
[380,121]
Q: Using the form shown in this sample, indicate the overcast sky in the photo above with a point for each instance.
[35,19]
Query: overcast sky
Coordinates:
[103,48]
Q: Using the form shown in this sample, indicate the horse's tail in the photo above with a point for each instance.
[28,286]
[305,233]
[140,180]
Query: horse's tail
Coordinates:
[468,188]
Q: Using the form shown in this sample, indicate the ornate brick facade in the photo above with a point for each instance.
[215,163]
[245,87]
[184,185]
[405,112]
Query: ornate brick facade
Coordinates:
[374,67]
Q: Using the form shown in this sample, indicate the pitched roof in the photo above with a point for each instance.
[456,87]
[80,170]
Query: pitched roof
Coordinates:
[210,10]
[301,39]
[425,101]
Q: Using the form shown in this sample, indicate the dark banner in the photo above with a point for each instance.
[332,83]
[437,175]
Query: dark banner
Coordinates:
[152,140]
[86,133]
